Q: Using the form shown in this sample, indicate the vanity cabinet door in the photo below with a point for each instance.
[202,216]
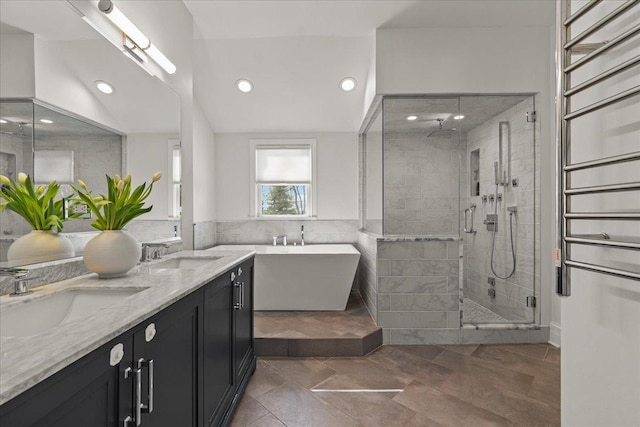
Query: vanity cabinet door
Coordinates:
[218,377]
[90,392]
[167,354]
[244,355]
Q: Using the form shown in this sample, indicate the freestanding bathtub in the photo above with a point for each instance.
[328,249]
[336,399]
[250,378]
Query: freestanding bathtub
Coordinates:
[310,277]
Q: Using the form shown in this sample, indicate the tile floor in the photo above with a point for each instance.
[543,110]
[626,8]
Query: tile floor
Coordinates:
[458,385]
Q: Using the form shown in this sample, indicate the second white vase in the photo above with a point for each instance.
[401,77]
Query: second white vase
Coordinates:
[112,253]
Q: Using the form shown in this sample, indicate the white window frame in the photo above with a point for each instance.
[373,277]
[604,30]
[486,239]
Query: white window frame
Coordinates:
[255,203]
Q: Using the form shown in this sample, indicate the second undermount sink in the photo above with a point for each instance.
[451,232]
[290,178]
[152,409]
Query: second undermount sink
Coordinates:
[38,315]
[186,263]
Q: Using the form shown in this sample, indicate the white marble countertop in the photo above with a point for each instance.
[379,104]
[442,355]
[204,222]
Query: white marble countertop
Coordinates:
[26,361]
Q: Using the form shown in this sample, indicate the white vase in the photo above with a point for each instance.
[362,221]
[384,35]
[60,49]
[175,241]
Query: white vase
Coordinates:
[40,246]
[112,253]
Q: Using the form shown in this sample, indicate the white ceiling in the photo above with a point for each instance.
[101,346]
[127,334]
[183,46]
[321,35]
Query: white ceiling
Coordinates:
[140,104]
[296,52]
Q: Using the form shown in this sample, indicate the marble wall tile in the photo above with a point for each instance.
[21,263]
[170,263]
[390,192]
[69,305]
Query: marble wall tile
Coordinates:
[204,234]
[408,336]
[418,319]
[262,231]
[418,302]
[423,267]
[414,285]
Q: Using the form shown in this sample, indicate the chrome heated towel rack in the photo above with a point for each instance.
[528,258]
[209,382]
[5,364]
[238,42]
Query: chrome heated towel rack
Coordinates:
[576,49]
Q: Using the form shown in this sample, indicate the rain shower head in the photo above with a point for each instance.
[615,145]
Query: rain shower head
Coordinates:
[441,129]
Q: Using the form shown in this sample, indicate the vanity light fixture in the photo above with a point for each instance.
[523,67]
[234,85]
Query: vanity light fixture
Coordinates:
[348,84]
[46,121]
[136,36]
[104,87]
[458,117]
[412,118]
[244,85]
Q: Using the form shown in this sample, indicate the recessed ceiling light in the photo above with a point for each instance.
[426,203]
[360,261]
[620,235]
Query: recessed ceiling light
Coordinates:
[458,117]
[412,118]
[244,85]
[348,84]
[3,121]
[46,121]
[104,87]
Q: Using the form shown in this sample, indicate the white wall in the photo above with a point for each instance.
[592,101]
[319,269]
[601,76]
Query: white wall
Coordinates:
[204,176]
[601,319]
[16,67]
[337,165]
[484,61]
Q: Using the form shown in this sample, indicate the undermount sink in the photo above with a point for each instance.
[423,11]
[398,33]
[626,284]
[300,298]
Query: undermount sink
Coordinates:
[185,263]
[38,315]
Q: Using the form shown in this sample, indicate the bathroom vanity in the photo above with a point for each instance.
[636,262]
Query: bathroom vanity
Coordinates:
[178,351]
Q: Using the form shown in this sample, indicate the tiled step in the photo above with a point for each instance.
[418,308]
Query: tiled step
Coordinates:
[318,347]
[351,332]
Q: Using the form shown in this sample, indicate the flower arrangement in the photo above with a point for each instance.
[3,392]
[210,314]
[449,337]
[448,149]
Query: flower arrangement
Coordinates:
[120,205]
[36,205]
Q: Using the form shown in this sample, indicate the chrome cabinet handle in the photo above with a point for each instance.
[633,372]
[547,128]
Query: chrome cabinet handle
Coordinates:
[138,396]
[127,374]
[241,294]
[148,408]
[237,305]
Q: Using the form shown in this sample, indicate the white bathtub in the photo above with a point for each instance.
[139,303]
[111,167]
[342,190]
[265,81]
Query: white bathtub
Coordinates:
[311,277]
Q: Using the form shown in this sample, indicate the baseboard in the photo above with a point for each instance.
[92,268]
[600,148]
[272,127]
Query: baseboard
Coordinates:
[555,334]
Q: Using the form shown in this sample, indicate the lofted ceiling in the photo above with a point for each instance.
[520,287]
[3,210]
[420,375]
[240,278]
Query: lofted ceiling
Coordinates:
[296,52]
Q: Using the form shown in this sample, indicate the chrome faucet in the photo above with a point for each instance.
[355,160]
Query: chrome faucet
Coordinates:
[302,235]
[284,240]
[21,282]
[153,251]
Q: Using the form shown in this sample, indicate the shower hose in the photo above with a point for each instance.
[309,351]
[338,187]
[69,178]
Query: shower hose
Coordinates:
[493,241]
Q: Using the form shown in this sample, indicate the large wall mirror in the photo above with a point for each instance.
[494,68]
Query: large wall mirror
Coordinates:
[56,124]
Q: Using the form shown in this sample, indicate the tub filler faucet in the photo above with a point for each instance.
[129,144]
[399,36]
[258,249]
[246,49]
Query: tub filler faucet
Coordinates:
[275,240]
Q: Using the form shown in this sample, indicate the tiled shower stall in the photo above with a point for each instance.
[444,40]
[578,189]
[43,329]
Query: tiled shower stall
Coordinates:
[423,278]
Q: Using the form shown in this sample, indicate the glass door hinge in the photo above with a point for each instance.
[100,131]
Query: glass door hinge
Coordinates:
[531,301]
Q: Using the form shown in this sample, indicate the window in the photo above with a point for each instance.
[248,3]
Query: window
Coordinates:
[175,196]
[283,177]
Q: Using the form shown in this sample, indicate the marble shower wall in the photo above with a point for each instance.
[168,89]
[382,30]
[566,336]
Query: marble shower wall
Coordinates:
[421,177]
[367,271]
[510,300]
[418,289]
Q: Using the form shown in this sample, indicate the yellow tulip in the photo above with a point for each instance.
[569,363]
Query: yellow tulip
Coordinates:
[39,190]
[156,177]
[83,185]
[120,185]
[127,179]
[5,180]
[116,179]
[22,177]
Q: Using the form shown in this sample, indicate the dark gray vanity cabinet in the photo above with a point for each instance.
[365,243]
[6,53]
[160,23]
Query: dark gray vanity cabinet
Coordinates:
[229,358]
[89,392]
[166,356]
[185,366]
